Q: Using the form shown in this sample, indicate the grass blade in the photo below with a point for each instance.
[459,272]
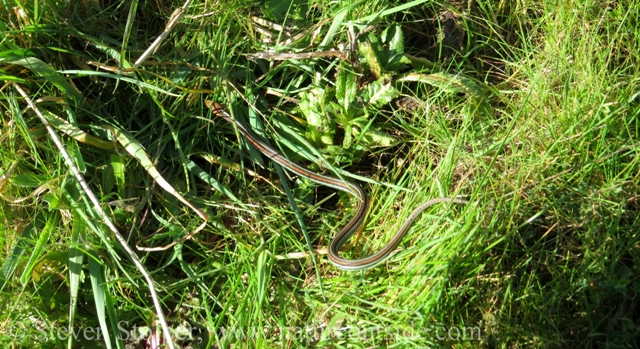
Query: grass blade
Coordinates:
[47,71]
[113,319]
[130,80]
[198,171]
[127,30]
[392,10]
[75,269]
[453,84]
[11,263]
[76,133]
[49,226]
[99,288]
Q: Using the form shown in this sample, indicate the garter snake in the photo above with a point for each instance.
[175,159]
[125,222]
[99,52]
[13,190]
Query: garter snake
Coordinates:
[356,224]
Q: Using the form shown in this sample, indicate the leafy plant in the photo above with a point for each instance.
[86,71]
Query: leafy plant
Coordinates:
[380,59]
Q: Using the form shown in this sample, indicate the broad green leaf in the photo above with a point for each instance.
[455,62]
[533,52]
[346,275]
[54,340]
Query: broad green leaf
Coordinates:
[384,54]
[368,59]
[334,322]
[320,129]
[355,126]
[346,86]
[393,41]
[108,181]
[374,54]
[294,146]
[379,93]
[447,82]
[348,131]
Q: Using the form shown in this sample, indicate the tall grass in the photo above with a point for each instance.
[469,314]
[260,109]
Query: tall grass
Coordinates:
[545,255]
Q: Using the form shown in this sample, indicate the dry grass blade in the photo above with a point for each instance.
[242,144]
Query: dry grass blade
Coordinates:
[173,20]
[304,55]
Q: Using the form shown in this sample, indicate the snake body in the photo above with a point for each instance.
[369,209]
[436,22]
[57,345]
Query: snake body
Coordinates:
[356,224]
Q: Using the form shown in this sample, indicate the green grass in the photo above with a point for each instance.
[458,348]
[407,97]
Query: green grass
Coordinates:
[547,253]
